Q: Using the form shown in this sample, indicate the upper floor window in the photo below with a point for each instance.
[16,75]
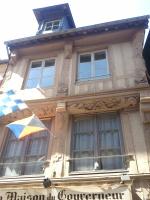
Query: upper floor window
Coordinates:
[96,143]
[92,66]
[26,156]
[52,25]
[41,74]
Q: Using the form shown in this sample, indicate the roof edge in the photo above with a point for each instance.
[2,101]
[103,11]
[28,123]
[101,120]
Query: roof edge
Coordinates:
[136,22]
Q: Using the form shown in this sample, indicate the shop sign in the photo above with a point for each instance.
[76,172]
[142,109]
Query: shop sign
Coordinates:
[70,193]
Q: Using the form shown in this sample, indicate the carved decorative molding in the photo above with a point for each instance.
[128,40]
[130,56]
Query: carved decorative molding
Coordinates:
[104,104]
[16,116]
[42,110]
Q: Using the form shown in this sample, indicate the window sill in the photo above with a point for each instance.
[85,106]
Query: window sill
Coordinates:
[41,88]
[99,172]
[21,179]
[103,78]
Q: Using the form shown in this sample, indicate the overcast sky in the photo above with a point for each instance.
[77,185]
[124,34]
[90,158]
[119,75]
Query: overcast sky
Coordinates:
[17,18]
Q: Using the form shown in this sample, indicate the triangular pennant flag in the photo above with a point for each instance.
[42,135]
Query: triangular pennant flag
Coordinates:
[26,126]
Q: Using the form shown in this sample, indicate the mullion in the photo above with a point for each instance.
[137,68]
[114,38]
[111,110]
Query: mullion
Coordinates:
[96,139]
[92,66]
[23,154]
[99,139]
[41,76]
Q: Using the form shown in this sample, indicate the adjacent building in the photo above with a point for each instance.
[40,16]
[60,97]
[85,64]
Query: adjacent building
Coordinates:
[89,87]
[3,69]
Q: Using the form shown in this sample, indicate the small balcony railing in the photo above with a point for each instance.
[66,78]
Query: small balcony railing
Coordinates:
[100,163]
[21,168]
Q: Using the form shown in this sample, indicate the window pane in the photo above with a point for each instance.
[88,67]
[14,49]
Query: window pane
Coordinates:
[111,163]
[55,27]
[49,71]
[84,163]
[56,23]
[36,64]
[11,167]
[83,144]
[99,56]
[84,69]
[100,64]
[11,156]
[33,167]
[47,81]
[49,63]
[109,139]
[35,73]
[14,147]
[48,26]
[37,146]
[85,58]
[32,83]
[36,152]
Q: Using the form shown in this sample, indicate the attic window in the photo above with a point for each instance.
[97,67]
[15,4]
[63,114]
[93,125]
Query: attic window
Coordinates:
[52,25]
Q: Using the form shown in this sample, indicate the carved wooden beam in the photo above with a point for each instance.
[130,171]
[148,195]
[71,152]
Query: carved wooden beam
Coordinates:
[43,110]
[40,109]
[104,104]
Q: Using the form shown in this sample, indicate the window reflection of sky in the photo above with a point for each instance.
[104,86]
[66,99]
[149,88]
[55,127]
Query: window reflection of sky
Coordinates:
[92,66]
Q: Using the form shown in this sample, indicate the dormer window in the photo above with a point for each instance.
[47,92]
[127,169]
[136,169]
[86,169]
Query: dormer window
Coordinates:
[52,25]
[54,18]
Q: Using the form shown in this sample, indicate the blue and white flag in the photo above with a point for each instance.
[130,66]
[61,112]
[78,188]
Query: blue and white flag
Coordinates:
[9,103]
[27,126]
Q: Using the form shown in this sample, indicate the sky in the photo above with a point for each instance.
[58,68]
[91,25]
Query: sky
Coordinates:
[17,19]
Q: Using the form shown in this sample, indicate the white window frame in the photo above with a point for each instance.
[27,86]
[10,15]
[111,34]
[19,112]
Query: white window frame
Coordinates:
[53,21]
[30,66]
[93,77]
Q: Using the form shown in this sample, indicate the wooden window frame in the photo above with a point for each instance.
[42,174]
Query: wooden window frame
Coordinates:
[93,75]
[23,156]
[96,153]
[41,76]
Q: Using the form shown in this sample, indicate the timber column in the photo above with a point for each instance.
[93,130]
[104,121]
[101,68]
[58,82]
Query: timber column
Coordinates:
[59,140]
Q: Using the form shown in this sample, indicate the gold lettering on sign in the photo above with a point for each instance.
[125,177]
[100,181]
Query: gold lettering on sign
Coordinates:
[64,194]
